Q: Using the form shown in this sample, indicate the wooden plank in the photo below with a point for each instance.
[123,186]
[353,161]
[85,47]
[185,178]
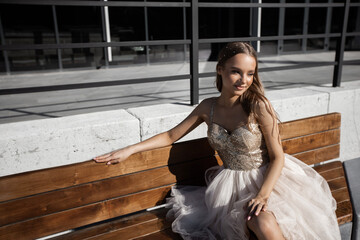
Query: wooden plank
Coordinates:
[319,155]
[25,184]
[309,142]
[344,212]
[77,217]
[166,234]
[341,195]
[63,199]
[337,184]
[310,125]
[135,231]
[333,174]
[328,166]
[114,225]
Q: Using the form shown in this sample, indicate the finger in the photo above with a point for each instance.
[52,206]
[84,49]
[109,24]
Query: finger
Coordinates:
[258,209]
[253,208]
[264,209]
[113,161]
[250,203]
[102,156]
[251,212]
[105,159]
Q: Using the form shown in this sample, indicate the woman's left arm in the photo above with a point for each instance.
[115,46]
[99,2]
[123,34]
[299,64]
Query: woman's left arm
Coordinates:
[270,130]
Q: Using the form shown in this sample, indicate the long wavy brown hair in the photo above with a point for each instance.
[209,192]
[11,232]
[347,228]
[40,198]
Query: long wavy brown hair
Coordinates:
[255,93]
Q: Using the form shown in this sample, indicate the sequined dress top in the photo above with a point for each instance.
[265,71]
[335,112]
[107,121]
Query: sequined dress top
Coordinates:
[242,149]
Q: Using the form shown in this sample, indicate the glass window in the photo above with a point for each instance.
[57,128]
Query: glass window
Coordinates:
[82,57]
[317,20]
[2,62]
[219,22]
[127,24]
[165,23]
[79,24]
[166,53]
[294,18]
[269,21]
[27,24]
[29,60]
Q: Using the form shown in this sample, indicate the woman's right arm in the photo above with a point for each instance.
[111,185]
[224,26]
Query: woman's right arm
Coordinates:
[195,118]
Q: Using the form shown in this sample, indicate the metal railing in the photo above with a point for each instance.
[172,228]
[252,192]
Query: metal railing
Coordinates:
[193,41]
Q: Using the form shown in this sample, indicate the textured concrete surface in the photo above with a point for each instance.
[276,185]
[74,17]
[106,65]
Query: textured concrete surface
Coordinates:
[295,103]
[160,118]
[38,144]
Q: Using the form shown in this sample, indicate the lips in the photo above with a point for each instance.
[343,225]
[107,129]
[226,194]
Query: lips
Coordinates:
[240,87]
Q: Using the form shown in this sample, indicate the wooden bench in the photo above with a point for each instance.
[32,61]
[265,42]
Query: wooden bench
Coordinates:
[40,203]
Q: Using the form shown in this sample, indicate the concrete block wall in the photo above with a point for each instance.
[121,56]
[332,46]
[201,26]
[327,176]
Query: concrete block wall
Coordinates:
[38,144]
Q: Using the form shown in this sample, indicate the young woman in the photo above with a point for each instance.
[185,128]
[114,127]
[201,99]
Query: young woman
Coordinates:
[258,189]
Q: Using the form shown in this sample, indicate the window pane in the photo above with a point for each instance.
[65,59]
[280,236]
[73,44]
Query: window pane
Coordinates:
[24,24]
[126,24]
[317,20]
[269,21]
[294,18]
[165,23]
[219,22]
[2,62]
[82,57]
[29,60]
[315,44]
[76,29]
[128,55]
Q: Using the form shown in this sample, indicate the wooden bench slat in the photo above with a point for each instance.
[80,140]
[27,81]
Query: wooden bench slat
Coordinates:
[67,198]
[333,174]
[337,183]
[135,231]
[328,166]
[115,225]
[341,195]
[73,218]
[25,184]
[319,155]
[344,212]
[166,234]
[310,125]
[309,142]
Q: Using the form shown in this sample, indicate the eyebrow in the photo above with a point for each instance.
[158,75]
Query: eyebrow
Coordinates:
[232,67]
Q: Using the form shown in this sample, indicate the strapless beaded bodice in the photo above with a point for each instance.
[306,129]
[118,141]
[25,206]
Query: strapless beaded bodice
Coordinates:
[242,149]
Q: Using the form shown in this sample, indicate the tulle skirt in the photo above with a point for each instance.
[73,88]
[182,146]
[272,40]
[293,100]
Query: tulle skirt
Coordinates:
[301,202]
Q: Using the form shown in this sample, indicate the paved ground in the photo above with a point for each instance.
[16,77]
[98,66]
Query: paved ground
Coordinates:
[38,105]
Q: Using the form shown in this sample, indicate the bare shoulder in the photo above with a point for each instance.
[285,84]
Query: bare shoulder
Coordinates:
[263,108]
[264,113]
[206,103]
[203,109]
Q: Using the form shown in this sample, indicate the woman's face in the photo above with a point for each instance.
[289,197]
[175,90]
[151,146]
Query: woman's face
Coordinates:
[237,74]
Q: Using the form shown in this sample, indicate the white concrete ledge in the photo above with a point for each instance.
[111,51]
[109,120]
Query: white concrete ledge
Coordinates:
[32,145]
[159,118]
[39,144]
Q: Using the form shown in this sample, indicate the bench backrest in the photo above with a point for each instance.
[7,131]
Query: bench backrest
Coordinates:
[40,203]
